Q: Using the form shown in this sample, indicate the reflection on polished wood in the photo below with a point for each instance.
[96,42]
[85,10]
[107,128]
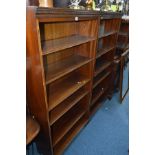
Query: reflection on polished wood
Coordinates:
[32,129]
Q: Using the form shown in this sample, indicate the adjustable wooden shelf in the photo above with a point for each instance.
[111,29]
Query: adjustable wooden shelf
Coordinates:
[61,48]
[103,73]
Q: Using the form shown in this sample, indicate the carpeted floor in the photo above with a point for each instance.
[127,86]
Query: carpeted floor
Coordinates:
[107,133]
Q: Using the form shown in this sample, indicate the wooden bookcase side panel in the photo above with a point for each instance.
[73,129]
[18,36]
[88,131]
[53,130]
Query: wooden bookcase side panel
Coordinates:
[101,28]
[35,81]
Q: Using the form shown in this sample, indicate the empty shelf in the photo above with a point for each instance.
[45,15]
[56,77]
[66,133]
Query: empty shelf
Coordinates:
[100,78]
[123,34]
[97,94]
[107,34]
[60,91]
[101,66]
[104,51]
[55,45]
[59,111]
[59,148]
[68,122]
[95,107]
[122,46]
[63,67]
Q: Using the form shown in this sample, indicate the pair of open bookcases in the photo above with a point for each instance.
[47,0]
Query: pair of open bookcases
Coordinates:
[69,69]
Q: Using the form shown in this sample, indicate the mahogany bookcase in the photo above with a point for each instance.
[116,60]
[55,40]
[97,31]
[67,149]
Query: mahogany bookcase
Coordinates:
[69,67]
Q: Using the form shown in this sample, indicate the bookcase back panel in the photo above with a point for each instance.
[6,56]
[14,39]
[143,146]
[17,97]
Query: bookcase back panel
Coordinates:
[122,40]
[83,50]
[99,90]
[124,27]
[88,28]
[86,70]
[56,30]
[58,56]
[108,41]
[109,55]
[80,72]
[116,24]
[50,31]
[108,25]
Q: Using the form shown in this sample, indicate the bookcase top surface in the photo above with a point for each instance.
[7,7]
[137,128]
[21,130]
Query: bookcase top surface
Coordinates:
[67,11]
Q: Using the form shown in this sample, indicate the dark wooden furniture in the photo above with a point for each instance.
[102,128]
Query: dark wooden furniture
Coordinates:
[67,74]
[123,37]
[103,73]
[61,46]
[122,46]
[124,62]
